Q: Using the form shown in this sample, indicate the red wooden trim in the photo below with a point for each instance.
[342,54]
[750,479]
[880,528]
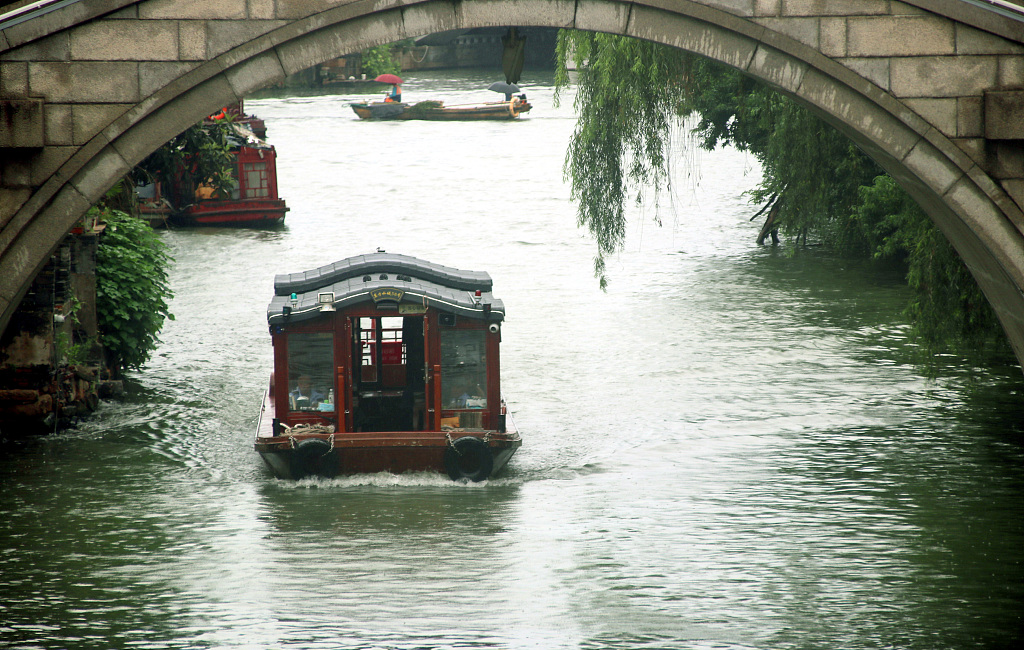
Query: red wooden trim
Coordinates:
[341,400]
[493,379]
[281,378]
[343,356]
[437,397]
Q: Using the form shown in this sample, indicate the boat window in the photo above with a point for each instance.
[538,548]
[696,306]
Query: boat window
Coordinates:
[382,339]
[463,369]
[310,366]
[368,349]
[257,181]
[393,350]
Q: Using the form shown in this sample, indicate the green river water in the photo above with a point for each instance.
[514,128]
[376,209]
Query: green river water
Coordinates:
[730,448]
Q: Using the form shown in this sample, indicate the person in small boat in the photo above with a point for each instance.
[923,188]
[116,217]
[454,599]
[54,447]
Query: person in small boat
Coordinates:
[395,95]
[304,391]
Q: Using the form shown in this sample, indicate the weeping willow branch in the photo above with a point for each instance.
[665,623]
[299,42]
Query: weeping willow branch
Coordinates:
[626,113]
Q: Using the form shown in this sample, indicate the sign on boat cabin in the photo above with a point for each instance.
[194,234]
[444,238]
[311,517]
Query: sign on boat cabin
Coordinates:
[377,346]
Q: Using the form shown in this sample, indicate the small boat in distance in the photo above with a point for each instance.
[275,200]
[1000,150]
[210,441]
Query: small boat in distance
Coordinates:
[436,110]
[385,363]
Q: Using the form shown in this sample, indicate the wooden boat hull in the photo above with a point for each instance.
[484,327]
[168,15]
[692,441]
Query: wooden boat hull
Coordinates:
[392,452]
[436,111]
[291,455]
[248,212]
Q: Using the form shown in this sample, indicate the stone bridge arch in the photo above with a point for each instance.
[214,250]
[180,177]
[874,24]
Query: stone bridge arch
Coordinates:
[932,89]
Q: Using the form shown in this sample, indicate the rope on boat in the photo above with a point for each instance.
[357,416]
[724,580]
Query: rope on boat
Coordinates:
[307,429]
[451,442]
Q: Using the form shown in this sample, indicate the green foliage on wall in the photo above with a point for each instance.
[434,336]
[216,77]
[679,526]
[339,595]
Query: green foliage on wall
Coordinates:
[131,289]
[379,60]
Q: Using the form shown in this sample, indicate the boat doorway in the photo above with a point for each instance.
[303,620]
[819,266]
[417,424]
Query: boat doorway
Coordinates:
[389,388]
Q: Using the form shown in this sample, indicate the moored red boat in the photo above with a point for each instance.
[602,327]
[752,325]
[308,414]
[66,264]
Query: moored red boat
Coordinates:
[385,363]
[252,201]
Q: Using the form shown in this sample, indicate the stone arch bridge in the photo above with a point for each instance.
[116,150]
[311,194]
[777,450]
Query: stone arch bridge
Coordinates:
[932,89]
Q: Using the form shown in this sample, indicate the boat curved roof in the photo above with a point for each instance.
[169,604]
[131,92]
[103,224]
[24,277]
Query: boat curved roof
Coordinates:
[383,277]
[360,265]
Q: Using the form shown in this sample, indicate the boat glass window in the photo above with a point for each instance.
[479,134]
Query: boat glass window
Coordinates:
[393,352]
[383,354]
[310,376]
[368,349]
[257,183]
[463,369]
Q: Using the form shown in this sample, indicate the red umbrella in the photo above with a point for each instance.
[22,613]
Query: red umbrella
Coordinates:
[389,79]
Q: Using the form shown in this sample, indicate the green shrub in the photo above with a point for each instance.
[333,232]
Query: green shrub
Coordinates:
[131,289]
[379,60]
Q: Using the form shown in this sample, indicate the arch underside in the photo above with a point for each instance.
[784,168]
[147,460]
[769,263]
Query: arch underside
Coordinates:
[967,205]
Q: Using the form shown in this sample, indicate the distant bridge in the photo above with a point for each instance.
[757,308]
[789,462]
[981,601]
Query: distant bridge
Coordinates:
[933,90]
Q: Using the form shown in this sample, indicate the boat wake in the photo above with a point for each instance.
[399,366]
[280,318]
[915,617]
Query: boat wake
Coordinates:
[388,480]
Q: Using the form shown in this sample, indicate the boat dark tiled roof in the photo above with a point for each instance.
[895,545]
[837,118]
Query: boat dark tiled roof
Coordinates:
[359,265]
[351,280]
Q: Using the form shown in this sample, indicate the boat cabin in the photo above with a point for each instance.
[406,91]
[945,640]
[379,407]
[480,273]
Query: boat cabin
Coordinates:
[386,343]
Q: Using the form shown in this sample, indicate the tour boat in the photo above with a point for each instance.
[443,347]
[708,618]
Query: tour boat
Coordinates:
[385,363]
[434,110]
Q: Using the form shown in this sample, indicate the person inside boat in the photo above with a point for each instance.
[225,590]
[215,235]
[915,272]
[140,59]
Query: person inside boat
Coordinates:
[304,395]
[395,95]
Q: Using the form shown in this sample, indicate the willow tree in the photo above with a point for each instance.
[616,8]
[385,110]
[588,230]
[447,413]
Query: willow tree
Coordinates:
[632,95]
